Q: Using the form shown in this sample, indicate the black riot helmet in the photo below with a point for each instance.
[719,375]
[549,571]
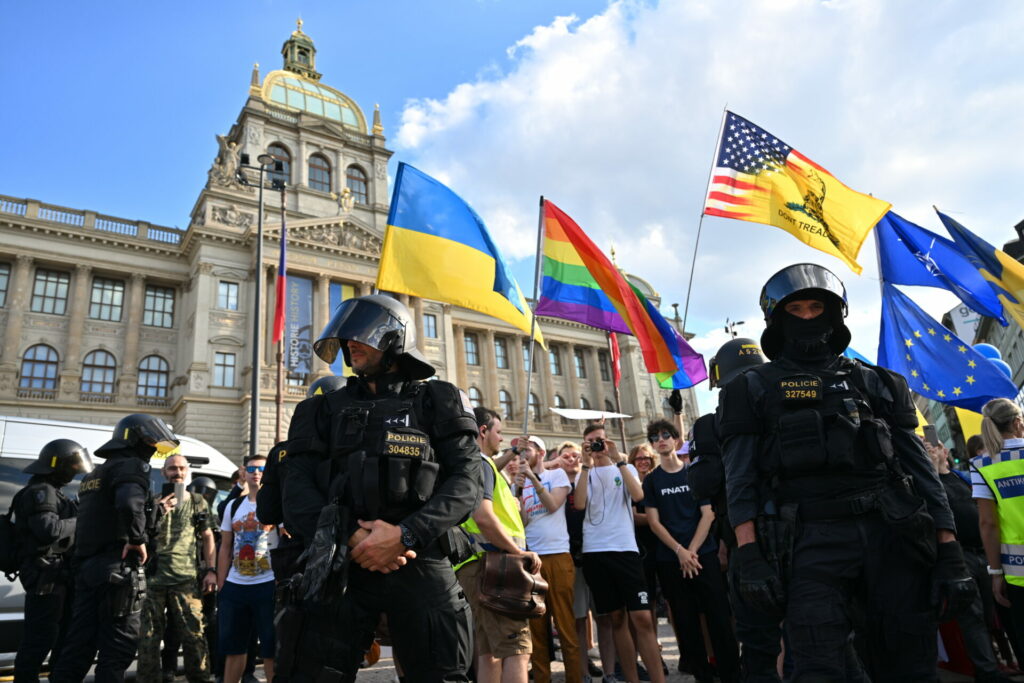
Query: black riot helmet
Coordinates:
[205,487]
[735,356]
[380,322]
[141,435]
[62,458]
[325,385]
[804,281]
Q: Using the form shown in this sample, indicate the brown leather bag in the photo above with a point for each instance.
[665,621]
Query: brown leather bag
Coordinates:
[508,587]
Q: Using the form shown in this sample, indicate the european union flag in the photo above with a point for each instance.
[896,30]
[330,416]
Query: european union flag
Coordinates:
[937,364]
[911,255]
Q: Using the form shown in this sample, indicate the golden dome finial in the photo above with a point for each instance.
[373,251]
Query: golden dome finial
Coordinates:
[298,24]
[613,256]
[378,127]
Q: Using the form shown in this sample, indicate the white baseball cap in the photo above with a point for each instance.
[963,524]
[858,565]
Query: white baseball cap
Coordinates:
[538,442]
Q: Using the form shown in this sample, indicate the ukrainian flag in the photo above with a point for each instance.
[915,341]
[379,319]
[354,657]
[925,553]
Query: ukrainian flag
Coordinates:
[436,247]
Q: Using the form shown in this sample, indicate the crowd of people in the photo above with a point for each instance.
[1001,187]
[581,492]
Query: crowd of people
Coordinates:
[802,532]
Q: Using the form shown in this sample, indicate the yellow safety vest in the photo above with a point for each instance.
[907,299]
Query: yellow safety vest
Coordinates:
[1004,474]
[507,512]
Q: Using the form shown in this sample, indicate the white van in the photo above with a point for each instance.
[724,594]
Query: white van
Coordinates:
[21,439]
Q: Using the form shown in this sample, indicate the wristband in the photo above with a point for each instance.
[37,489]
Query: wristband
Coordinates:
[211,570]
[584,467]
[621,463]
[995,572]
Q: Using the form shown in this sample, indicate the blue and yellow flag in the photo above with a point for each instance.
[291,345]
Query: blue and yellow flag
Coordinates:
[937,364]
[911,255]
[437,247]
[1003,272]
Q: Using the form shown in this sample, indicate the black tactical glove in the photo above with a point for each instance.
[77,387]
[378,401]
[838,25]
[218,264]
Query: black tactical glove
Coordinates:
[675,399]
[953,589]
[757,581]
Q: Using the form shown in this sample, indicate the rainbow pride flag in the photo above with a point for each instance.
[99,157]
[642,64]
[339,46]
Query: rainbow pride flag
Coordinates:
[582,285]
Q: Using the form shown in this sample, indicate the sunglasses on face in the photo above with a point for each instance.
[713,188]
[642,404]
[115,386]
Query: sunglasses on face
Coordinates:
[644,457]
[255,468]
[653,438]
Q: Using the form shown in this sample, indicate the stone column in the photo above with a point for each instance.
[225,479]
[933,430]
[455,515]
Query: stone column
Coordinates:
[78,305]
[574,382]
[364,288]
[490,368]
[461,380]
[321,316]
[595,377]
[338,179]
[303,165]
[132,323]
[518,388]
[417,311]
[18,292]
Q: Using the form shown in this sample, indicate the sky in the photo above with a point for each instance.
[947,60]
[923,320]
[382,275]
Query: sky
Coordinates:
[609,109]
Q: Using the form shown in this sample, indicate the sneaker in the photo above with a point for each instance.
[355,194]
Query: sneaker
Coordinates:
[641,672]
[593,669]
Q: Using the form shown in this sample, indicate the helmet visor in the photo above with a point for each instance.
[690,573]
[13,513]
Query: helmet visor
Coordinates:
[798,278]
[83,462]
[156,434]
[356,320]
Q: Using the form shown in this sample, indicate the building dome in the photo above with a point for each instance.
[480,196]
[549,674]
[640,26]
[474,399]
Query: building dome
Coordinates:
[296,92]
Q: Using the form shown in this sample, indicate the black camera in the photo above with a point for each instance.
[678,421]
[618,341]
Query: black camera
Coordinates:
[597,445]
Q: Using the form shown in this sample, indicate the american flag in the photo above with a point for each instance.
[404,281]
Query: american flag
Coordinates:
[748,157]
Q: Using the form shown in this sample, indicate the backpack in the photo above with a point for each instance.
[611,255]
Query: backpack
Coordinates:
[9,561]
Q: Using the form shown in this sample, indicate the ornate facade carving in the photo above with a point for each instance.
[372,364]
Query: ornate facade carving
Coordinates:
[253,135]
[381,170]
[230,215]
[347,235]
[197,380]
[224,171]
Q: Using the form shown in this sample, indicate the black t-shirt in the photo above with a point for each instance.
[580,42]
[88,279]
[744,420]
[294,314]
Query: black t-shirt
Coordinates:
[677,510]
[964,509]
[574,523]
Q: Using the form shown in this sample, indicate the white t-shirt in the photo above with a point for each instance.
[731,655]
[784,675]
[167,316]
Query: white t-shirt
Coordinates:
[546,533]
[608,522]
[979,487]
[250,556]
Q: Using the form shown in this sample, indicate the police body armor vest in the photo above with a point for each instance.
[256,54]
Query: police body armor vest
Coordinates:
[820,423]
[1004,474]
[507,512]
[99,525]
[39,498]
[380,445]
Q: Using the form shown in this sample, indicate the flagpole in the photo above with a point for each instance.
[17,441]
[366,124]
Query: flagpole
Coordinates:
[700,222]
[533,318]
[279,398]
[615,385]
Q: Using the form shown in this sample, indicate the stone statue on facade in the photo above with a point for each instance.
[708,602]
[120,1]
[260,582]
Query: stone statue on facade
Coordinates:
[225,168]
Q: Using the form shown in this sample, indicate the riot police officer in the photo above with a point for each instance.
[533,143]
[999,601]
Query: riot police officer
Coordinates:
[45,522]
[114,520]
[832,496]
[382,468]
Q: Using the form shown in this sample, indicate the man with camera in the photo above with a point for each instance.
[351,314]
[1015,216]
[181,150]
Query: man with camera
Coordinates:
[606,489]
[172,573]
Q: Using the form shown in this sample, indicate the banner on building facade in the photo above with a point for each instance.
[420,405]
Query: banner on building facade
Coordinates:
[298,337]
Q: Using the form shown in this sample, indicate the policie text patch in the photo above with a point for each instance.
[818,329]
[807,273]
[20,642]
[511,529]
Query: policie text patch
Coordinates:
[409,444]
[800,388]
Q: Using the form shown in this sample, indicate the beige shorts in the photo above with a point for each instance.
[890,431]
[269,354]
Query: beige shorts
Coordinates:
[496,635]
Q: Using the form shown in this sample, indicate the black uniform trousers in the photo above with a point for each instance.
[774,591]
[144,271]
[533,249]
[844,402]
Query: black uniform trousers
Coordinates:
[44,630]
[759,634]
[838,561]
[428,617]
[688,598]
[93,628]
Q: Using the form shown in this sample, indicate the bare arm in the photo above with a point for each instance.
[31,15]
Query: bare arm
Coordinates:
[636,491]
[227,542]
[501,460]
[579,499]
[209,549]
[552,500]
[745,533]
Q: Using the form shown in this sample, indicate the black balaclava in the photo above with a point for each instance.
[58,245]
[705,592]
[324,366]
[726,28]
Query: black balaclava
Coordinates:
[807,340]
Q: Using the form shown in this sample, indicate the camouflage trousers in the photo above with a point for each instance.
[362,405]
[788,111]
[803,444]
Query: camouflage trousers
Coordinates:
[182,605]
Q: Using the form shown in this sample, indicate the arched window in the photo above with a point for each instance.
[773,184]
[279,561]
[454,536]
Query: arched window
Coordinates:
[281,153]
[584,403]
[319,173]
[475,398]
[534,407]
[39,368]
[154,374]
[355,180]
[560,403]
[505,403]
[98,373]
[608,407]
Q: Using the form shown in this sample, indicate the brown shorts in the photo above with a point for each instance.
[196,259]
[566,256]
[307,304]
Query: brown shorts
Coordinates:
[496,635]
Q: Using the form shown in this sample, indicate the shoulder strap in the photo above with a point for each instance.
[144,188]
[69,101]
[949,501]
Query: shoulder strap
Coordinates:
[235,504]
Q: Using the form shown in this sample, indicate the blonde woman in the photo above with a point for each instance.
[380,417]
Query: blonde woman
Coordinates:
[997,478]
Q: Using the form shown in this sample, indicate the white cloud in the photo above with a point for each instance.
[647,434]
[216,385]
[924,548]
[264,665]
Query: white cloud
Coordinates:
[614,117]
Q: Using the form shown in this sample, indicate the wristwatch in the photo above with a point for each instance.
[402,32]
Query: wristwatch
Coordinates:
[211,570]
[409,539]
[621,463]
[995,572]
